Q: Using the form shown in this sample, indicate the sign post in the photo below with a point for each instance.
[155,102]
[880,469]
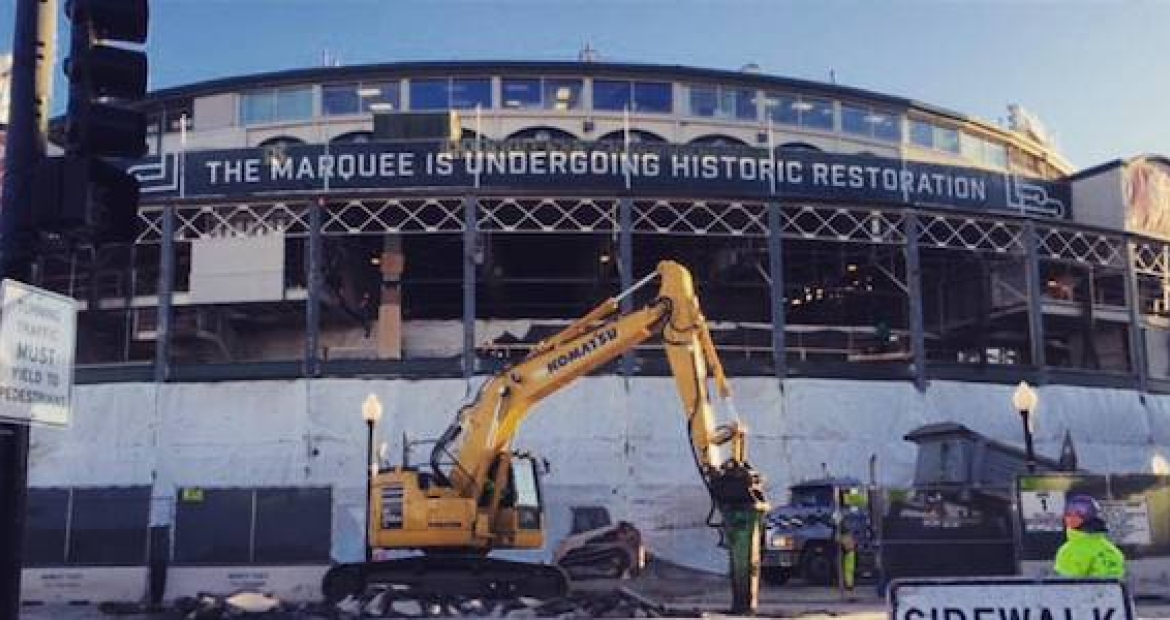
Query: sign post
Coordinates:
[38,332]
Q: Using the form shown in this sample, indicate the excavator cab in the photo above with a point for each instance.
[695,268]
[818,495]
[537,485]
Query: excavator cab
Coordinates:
[519,514]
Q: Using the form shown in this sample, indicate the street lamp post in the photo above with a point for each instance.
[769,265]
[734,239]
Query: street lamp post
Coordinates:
[371,413]
[1024,400]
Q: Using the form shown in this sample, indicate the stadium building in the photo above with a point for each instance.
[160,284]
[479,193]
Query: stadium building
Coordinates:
[869,263]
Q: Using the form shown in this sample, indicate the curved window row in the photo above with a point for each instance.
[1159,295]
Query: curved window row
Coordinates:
[749,105]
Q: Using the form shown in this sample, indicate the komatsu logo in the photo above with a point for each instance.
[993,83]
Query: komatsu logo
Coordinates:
[600,337]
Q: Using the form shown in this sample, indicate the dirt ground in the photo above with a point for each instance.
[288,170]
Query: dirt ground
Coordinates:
[682,593]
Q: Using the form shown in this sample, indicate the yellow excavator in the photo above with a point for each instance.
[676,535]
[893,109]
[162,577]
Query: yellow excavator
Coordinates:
[478,495]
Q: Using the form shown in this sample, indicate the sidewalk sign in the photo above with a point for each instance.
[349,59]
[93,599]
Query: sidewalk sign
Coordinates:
[1009,598]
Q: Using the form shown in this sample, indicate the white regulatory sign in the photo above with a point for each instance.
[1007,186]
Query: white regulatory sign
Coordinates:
[1009,598]
[38,332]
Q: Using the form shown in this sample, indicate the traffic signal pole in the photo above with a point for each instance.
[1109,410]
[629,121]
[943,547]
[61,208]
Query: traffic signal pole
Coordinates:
[33,46]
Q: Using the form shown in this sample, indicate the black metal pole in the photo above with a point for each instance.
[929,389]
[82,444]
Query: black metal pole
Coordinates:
[1029,452]
[470,228]
[1035,301]
[914,297]
[315,281]
[166,287]
[626,271]
[369,487]
[776,290]
[32,59]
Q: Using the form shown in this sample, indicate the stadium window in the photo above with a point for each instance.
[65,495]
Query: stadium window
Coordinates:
[743,101]
[272,105]
[450,94]
[719,102]
[293,525]
[704,101]
[781,109]
[922,134]
[611,95]
[866,121]
[521,93]
[562,94]
[45,521]
[932,136]
[946,139]
[541,93]
[379,97]
[340,99]
[995,155]
[853,120]
[257,107]
[816,113]
[355,98]
[294,104]
[470,93]
[430,94]
[803,111]
[653,97]
[108,527]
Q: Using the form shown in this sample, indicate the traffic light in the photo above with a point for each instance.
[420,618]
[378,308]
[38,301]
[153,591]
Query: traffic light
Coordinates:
[84,197]
[104,76]
[82,194]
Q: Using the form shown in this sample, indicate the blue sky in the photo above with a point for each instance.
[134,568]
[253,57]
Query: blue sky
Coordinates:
[1096,72]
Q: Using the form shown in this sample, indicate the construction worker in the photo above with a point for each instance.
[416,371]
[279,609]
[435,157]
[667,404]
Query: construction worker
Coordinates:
[852,525]
[1087,552]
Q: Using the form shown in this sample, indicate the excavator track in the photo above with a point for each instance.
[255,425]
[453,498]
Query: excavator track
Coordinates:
[447,577]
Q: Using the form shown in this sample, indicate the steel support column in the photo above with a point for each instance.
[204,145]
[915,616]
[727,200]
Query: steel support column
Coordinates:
[470,228]
[914,295]
[1137,334]
[166,288]
[776,286]
[313,300]
[626,266]
[1035,307]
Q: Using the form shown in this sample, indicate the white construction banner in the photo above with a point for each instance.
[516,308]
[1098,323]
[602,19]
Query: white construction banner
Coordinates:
[38,334]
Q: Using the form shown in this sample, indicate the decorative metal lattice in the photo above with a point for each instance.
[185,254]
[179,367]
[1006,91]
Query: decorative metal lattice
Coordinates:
[579,215]
[405,215]
[239,220]
[1080,246]
[1151,258]
[844,224]
[700,217]
[953,232]
[353,217]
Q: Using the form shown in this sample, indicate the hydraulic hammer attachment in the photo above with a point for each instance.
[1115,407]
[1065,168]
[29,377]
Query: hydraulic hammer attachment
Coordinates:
[739,495]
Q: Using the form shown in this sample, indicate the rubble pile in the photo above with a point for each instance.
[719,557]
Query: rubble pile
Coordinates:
[385,603]
[621,603]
